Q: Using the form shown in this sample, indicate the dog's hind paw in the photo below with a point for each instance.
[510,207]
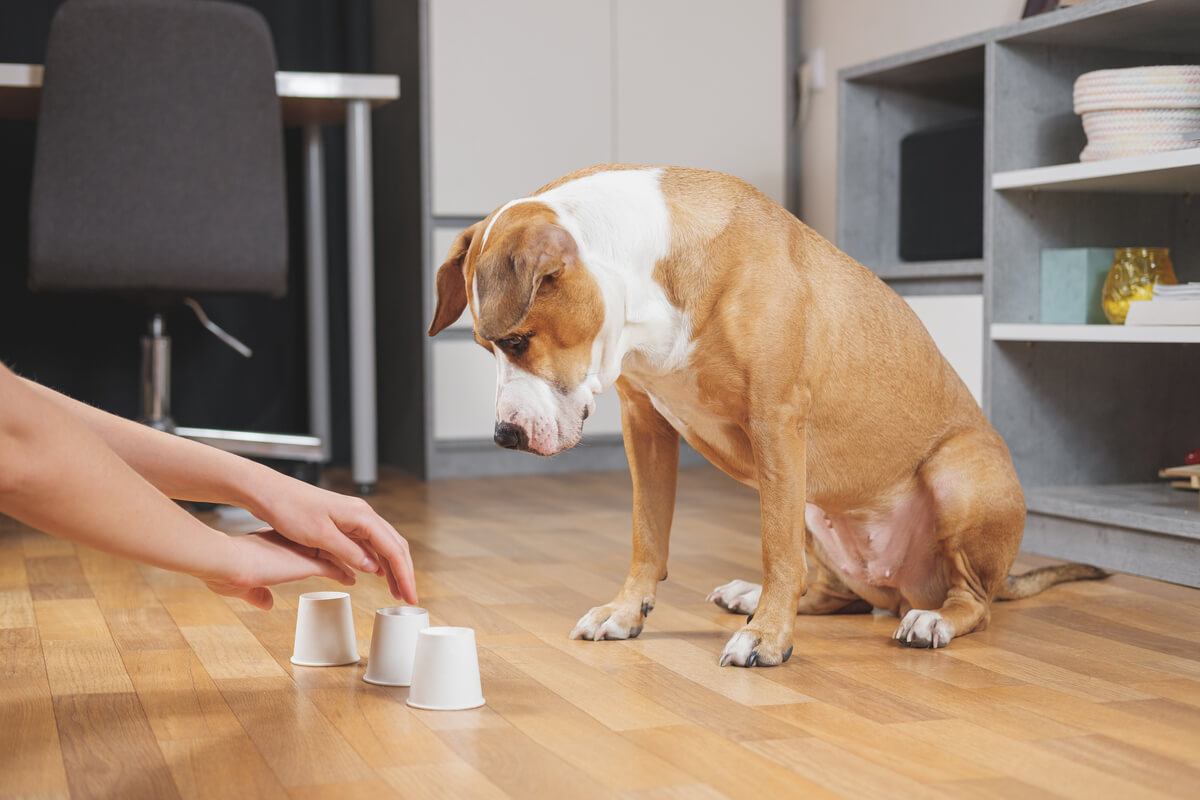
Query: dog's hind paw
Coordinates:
[611,622]
[922,628]
[740,597]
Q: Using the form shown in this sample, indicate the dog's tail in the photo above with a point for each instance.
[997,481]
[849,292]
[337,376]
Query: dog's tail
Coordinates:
[1017,586]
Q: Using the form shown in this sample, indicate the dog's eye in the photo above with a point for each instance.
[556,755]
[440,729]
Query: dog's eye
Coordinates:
[515,344]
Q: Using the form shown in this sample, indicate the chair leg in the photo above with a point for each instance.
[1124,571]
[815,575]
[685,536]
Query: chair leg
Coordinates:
[156,376]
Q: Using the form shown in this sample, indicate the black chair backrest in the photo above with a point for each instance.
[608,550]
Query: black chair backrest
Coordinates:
[159,155]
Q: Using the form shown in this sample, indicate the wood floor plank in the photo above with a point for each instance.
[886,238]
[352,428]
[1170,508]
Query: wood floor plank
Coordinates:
[80,654]
[441,780]
[888,682]
[180,699]
[231,651]
[1027,761]
[878,743]
[747,687]
[109,748]
[842,771]
[16,609]
[301,746]
[1041,673]
[242,771]
[577,738]
[125,680]
[702,706]
[31,760]
[1125,760]
[115,582]
[1114,719]
[142,628]
[383,731]
[518,766]
[617,707]
[728,767]
[357,790]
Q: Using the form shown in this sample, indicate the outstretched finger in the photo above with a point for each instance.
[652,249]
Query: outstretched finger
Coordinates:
[389,545]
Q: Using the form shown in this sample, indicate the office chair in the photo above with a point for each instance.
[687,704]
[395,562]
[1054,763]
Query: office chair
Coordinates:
[159,174]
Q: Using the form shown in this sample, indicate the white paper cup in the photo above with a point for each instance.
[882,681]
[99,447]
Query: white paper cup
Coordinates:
[393,645]
[445,673]
[324,630]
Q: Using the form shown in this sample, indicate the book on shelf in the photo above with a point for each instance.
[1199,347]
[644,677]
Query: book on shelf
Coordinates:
[1170,305]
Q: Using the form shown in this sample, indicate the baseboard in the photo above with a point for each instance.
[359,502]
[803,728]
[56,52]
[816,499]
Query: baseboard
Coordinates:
[1151,554]
[478,458]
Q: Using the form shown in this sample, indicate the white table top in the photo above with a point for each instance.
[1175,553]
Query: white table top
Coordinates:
[305,96]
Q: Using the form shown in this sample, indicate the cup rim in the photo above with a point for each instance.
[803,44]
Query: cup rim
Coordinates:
[446,630]
[327,595]
[473,703]
[401,611]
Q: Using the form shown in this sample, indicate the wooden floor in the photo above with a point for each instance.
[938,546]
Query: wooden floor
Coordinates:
[121,681]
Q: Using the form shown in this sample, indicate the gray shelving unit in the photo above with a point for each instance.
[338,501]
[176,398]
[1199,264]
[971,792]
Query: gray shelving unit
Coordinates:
[1089,421]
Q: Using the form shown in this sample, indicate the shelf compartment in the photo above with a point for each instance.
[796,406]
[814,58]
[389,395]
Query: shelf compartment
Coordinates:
[1145,529]
[1174,172]
[1035,332]
[1153,507]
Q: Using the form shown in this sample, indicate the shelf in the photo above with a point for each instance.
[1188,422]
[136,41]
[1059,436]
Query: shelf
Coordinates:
[1034,332]
[1177,171]
[918,270]
[1153,507]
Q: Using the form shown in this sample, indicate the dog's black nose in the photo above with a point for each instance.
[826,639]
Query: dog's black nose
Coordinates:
[510,437]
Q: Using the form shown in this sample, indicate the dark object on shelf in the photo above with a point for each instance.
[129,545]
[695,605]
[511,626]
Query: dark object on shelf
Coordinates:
[1193,457]
[941,192]
[1035,7]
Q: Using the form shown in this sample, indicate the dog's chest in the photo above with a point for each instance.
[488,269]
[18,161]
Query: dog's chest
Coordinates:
[700,421]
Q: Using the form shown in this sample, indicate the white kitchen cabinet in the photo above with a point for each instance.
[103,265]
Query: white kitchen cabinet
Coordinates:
[702,83]
[520,92]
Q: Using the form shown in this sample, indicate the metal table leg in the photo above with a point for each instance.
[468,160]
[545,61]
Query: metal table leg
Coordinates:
[319,416]
[362,294]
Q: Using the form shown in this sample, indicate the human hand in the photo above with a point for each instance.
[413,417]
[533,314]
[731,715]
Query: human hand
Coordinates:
[265,558]
[343,529]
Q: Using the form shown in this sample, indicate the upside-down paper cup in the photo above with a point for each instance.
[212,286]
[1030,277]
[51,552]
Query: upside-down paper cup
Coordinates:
[324,631]
[445,670]
[393,645]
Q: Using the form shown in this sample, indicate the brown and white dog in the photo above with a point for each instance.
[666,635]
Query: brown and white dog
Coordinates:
[722,318]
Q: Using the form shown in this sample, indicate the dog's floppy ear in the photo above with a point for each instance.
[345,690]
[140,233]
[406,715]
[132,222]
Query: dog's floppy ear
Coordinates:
[451,283]
[508,285]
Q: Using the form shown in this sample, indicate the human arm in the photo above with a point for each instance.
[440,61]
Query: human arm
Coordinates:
[57,475]
[346,528]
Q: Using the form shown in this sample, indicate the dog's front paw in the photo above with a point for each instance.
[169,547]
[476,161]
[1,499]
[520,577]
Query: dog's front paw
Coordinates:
[740,597]
[749,648]
[921,628]
[611,622]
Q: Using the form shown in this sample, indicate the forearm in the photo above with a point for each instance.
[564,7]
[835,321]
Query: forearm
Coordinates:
[177,467]
[57,475]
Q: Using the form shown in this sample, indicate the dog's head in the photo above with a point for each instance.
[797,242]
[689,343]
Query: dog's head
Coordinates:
[538,309]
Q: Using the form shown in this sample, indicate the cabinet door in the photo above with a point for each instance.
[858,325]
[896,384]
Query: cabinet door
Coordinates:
[520,94]
[702,83]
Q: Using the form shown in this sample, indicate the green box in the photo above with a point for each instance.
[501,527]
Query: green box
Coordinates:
[1072,282]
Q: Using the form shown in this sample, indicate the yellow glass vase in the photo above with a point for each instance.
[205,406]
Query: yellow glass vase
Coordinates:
[1134,272]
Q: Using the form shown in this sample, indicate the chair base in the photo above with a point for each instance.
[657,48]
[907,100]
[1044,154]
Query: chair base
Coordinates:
[156,410]
[260,445]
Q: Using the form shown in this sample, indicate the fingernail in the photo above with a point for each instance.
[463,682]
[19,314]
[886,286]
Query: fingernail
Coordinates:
[369,565]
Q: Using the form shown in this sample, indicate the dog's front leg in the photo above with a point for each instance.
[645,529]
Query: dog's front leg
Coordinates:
[777,437]
[652,446]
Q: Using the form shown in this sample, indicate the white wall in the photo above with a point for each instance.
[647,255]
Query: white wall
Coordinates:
[855,31]
[852,32]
